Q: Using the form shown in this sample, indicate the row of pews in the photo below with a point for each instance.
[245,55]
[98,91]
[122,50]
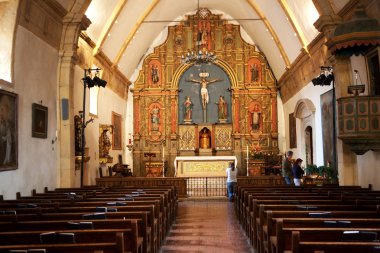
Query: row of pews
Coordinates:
[310,219]
[88,220]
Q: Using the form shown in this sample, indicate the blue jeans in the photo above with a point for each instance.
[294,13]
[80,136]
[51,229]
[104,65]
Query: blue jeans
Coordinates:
[288,181]
[231,190]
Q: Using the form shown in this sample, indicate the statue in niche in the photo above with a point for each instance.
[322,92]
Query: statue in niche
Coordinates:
[256,118]
[204,82]
[222,110]
[155,117]
[78,134]
[105,144]
[254,73]
[205,139]
[188,105]
[154,74]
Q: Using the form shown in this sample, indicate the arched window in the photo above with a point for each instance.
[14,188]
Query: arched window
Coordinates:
[8,15]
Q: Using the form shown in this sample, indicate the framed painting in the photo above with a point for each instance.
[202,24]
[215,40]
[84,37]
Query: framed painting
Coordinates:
[39,121]
[8,131]
[328,126]
[292,131]
[116,137]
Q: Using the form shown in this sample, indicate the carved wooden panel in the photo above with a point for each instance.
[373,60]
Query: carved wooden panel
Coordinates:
[223,137]
[187,138]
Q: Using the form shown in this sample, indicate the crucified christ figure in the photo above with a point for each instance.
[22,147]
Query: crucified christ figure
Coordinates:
[204,92]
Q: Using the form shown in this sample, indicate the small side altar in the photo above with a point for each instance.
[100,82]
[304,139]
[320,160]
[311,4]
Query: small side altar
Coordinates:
[202,166]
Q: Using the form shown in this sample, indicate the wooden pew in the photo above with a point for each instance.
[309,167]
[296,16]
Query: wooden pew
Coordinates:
[282,240]
[299,246]
[135,240]
[79,236]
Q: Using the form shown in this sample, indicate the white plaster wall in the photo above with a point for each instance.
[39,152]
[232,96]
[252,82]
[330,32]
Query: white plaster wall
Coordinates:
[282,144]
[312,93]
[369,169]
[129,130]
[108,102]
[35,80]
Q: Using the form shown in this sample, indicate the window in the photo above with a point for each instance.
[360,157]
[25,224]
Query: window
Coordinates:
[8,10]
[94,91]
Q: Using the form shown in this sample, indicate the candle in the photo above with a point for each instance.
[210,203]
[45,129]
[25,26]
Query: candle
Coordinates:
[247,151]
[163,153]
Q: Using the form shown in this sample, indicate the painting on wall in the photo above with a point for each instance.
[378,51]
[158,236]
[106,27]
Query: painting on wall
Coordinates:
[327,126]
[39,121]
[116,137]
[292,131]
[8,131]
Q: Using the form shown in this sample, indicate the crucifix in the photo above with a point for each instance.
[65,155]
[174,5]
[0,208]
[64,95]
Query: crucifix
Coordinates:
[204,92]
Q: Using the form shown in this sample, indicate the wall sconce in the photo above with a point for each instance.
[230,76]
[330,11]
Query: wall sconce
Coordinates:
[130,142]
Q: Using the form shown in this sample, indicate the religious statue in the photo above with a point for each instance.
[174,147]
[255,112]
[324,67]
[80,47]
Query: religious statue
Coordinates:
[188,109]
[203,35]
[78,134]
[105,144]
[204,139]
[154,74]
[204,82]
[254,73]
[155,119]
[222,109]
[256,117]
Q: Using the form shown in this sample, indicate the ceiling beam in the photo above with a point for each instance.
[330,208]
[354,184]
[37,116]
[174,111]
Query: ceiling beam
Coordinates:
[259,12]
[133,31]
[293,21]
[108,25]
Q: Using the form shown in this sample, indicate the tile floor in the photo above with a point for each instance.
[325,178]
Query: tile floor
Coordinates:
[206,226]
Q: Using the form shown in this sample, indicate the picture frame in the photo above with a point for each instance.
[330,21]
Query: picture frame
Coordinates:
[117,131]
[8,130]
[39,121]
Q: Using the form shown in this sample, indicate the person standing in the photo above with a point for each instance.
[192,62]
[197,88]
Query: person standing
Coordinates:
[297,172]
[231,181]
[287,167]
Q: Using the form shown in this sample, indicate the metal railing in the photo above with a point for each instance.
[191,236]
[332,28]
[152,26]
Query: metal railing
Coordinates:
[206,186]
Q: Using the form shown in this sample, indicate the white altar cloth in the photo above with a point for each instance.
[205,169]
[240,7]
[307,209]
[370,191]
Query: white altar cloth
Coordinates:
[203,158]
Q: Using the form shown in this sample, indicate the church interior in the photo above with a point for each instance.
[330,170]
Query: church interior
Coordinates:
[124,93]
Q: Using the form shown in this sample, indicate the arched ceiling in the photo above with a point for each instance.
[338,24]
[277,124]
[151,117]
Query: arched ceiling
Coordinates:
[125,30]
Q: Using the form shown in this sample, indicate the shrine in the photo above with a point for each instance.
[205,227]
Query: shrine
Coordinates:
[202,110]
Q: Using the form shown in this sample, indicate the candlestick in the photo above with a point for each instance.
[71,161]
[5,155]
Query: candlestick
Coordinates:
[163,161]
[247,162]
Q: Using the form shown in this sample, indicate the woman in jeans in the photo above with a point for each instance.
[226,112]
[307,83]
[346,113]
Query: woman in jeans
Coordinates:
[297,172]
[231,181]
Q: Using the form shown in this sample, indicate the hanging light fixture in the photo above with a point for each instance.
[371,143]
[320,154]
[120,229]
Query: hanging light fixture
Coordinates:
[201,55]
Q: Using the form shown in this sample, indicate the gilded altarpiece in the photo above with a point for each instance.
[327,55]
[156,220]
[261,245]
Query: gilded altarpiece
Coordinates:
[240,76]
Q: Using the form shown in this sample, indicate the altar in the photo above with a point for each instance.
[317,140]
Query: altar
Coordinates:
[202,166]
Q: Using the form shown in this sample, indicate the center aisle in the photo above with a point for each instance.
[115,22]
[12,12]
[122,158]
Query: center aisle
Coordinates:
[206,226]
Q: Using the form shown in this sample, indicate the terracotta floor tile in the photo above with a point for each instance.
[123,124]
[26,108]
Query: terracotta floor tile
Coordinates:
[206,226]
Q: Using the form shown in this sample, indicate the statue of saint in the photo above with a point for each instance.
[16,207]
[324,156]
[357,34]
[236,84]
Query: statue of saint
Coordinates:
[222,108]
[254,73]
[204,92]
[204,139]
[155,119]
[256,117]
[105,144]
[154,74]
[188,109]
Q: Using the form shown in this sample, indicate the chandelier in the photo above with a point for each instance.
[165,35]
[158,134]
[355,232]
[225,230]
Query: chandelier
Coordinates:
[198,58]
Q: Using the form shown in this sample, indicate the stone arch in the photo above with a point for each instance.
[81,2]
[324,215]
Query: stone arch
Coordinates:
[304,108]
[74,23]
[304,112]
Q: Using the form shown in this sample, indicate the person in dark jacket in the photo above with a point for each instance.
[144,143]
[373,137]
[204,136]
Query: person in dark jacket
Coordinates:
[287,167]
[297,172]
